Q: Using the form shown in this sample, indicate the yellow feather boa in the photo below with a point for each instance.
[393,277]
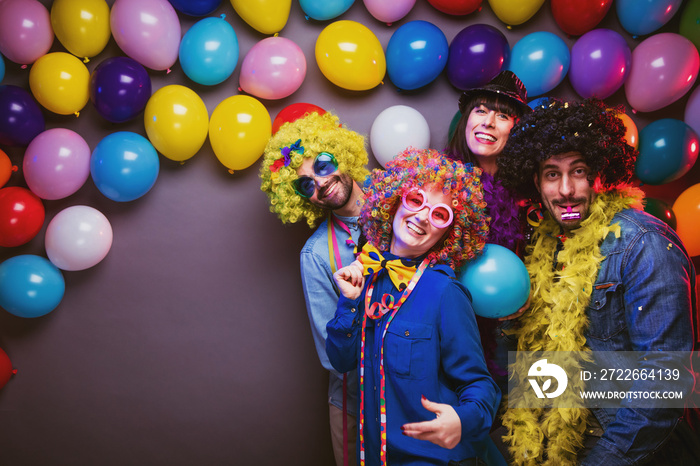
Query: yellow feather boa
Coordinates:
[556,321]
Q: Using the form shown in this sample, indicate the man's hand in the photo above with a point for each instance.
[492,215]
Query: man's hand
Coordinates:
[445,430]
[350,280]
[519,312]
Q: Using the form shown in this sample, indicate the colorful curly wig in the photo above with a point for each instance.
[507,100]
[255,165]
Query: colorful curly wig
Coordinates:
[316,133]
[412,168]
[557,127]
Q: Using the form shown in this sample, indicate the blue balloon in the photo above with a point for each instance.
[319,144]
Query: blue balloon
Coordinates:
[498,282]
[640,17]
[30,286]
[416,54]
[124,166]
[209,51]
[2,67]
[541,60]
[119,89]
[668,149]
[539,102]
[195,7]
[322,10]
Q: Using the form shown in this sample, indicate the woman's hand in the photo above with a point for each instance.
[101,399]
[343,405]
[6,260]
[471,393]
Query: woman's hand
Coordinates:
[519,312]
[350,280]
[445,430]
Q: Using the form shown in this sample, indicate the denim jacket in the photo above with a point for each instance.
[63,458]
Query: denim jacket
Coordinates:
[643,300]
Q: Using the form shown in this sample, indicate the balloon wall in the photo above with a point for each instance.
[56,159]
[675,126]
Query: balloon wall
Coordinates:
[149,300]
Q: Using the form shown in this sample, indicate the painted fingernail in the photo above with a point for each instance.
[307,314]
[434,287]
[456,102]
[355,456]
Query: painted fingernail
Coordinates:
[422,397]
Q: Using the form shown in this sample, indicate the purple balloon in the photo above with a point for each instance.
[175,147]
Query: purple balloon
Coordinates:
[20,116]
[600,63]
[477,54]
[195,7]
[120,88]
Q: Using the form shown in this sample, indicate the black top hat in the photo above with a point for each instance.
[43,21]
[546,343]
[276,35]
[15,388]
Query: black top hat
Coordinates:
[506,84]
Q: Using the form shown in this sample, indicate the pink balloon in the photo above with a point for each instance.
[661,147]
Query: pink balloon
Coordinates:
[25,30]
[389,12]
[664,67]
[56,163]
[273,68]
[147,31]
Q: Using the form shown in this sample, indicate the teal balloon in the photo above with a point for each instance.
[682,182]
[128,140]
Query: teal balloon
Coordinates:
[209,51]
[541,61]
[416,55]
[660,210]
[2,68]
[668,149]
[322,10]
[124,166]
[640,17]
[498,282]
[30,286]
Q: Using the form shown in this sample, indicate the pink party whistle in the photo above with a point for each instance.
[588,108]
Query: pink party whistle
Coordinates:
[569,215]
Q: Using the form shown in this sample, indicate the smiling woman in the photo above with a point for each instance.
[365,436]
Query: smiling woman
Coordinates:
[423,217]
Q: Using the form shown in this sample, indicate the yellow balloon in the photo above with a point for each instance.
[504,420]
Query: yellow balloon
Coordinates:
[239,129]
[60,82]
[176,122]
[82,26]
[514,12]
[350,56]
[266,16]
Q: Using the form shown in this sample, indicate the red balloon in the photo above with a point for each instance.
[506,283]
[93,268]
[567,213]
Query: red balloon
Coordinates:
[6,370]
[456,7]
[21,216]
[576,17]
[294,112]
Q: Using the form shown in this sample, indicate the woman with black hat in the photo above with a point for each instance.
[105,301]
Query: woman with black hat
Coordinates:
[489,113]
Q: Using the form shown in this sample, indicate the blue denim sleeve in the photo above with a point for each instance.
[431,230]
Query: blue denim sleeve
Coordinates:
[656,286]
[462,360]
[344,335]
[321,299]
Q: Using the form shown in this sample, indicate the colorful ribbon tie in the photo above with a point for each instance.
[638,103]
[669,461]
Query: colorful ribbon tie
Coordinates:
[400,270]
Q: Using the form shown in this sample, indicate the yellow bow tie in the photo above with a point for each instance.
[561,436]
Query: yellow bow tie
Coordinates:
[400,270]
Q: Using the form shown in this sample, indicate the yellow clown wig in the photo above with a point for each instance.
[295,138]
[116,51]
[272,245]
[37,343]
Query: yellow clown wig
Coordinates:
[301,139]
[415,168]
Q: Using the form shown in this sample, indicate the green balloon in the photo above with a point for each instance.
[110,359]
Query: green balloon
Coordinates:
[689,26]
[660,210]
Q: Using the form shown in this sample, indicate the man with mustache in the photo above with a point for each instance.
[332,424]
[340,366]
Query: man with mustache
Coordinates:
[312,169]
[606,277]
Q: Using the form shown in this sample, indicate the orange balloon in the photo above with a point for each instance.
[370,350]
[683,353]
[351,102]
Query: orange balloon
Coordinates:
[6,168]
[687,210]
[631,135]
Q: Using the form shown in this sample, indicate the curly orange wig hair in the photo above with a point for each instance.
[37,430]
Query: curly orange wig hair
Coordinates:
[413,168]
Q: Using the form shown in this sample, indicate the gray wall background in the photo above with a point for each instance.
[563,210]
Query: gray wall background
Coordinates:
[189,344]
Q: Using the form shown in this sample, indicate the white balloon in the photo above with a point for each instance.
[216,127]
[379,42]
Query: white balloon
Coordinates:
[395,129]
[78,238]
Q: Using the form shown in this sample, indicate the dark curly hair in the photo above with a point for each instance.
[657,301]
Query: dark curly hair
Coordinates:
[557,127]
